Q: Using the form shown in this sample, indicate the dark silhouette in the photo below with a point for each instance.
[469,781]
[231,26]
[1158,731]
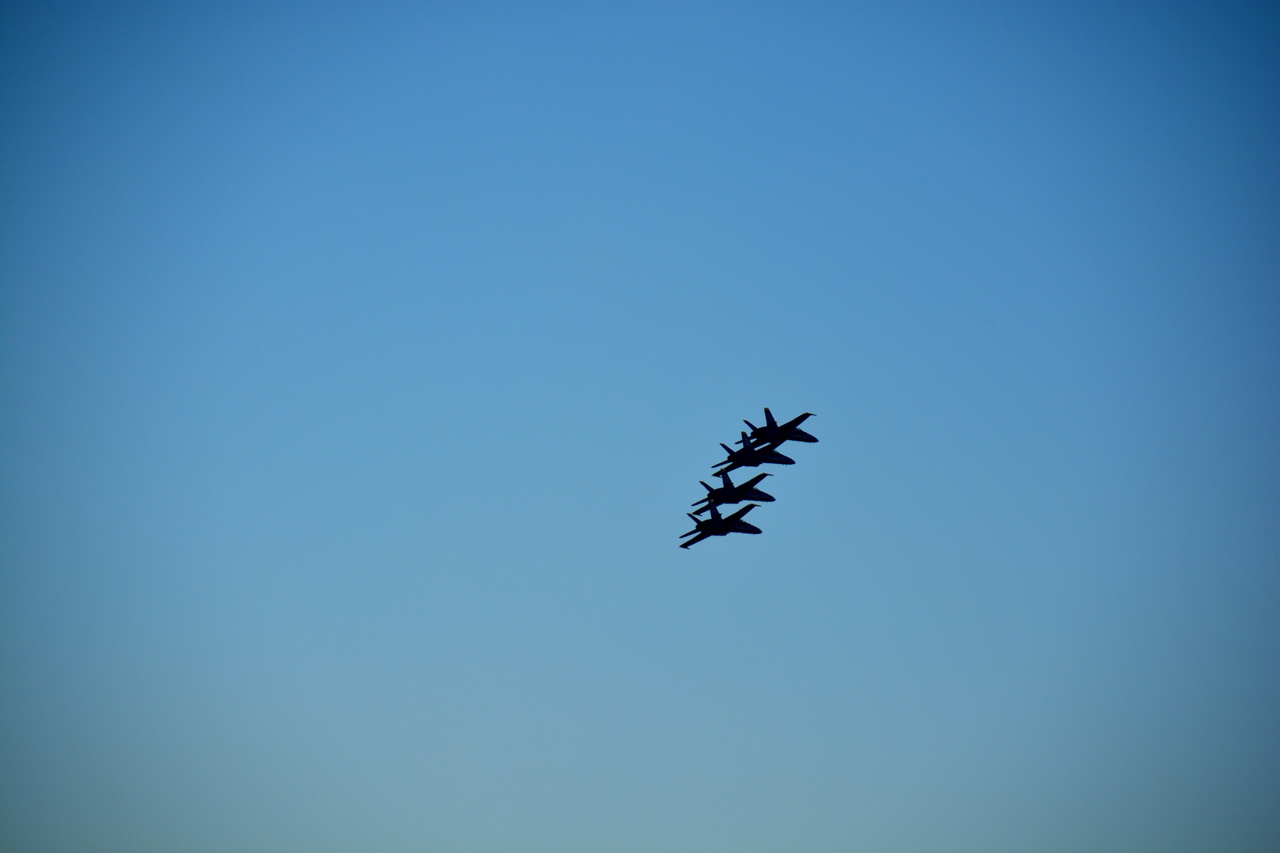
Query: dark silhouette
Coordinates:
[731,494]
[773,433]
[718,525]
[749,456]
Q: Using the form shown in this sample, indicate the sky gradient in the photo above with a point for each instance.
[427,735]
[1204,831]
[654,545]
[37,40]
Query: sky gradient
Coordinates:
[359,363]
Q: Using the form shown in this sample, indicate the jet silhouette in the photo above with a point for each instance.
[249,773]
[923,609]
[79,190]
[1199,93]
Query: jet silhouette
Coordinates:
[773,433]
[749,456]
[731,494]
[718,525]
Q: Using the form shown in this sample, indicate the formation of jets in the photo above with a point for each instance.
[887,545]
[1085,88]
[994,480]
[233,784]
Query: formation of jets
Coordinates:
[759,447]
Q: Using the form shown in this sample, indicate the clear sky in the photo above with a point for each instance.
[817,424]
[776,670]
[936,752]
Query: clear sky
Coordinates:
[360,361]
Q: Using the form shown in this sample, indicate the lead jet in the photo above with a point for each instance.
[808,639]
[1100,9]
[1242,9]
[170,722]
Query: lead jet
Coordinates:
[731,494]
[718,525]
[749,456]
[773,433]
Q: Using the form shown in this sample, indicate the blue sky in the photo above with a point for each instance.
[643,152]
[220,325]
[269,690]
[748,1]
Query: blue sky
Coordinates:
[360,362]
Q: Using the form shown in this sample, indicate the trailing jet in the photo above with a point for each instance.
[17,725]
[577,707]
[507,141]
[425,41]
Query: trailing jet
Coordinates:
[773,433]
[731,494]
[718,525]
[749,456]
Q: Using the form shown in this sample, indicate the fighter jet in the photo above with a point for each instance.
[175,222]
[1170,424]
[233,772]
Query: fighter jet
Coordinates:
[749,456]
[731,494]
[718,525]
[773,433]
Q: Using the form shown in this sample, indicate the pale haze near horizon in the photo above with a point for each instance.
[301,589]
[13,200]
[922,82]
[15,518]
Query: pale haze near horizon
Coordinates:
[360,363]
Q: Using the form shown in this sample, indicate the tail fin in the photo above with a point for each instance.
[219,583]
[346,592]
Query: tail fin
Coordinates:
[768,416]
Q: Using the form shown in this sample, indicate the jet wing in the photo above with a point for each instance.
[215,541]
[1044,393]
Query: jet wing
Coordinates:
[729,465]
[703,535]
[771,455]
